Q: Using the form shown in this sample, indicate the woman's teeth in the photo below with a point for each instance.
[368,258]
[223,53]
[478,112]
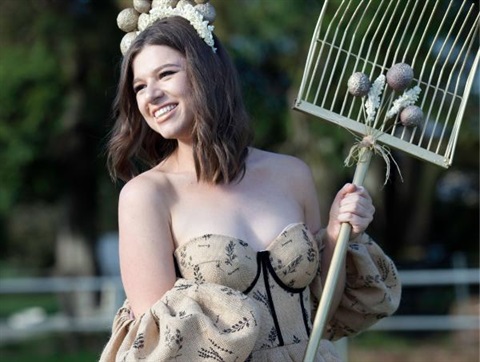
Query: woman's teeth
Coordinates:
[164,110]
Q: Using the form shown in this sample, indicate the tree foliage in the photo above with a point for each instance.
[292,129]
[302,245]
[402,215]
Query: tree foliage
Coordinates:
[57,73]
[58,67]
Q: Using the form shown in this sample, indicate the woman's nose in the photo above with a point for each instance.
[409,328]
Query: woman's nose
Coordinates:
[153,92]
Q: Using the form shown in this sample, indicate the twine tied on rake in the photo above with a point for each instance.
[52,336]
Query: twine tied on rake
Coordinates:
[369,142]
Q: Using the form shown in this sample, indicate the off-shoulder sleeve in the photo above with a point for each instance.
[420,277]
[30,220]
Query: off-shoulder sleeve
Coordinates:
[191,322]
[372,289]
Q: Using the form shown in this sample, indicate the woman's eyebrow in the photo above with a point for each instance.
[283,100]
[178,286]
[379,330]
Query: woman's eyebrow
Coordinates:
[159,68]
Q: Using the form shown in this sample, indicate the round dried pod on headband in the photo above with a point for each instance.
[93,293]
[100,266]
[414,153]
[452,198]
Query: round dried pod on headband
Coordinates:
[207,10]
[127,41]
[359,84]
[411,116]
[143,21]
[127,19]
[399,76]
[157,3]
[142,6]
[201,1]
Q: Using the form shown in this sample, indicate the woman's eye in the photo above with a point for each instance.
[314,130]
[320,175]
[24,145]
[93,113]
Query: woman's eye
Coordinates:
[166,73]
[138,88]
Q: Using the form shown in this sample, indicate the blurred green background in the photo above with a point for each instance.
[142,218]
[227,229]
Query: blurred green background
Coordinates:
[59,62]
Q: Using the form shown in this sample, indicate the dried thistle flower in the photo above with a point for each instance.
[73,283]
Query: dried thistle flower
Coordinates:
[358,84]
[399,76]
[411,116]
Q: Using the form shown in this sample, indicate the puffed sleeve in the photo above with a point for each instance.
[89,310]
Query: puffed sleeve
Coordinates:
[372,289]
[190,322]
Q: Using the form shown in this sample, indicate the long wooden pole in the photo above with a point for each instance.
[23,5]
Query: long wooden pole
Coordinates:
[335,266]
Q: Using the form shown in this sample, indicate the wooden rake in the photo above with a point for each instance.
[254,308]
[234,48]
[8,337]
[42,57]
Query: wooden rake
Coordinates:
[372,37]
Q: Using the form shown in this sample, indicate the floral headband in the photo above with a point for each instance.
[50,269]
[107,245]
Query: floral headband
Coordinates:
[200,14]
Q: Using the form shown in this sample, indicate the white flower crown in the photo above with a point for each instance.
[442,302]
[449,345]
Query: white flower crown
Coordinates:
[199,13]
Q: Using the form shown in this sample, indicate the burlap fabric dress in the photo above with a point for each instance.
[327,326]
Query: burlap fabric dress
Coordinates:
[232,303]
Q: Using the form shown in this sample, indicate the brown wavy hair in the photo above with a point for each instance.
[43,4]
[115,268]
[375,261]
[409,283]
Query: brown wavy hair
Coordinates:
[221,132]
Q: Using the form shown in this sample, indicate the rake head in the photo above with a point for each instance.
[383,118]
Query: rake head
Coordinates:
[371,37]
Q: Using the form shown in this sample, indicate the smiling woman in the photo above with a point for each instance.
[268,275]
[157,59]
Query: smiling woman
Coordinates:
[220,121]
[219,239]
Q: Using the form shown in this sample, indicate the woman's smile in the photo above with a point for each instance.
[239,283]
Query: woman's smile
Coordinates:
[164,110]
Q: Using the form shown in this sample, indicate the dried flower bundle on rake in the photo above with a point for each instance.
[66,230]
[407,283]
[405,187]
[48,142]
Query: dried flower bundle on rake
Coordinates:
[417,107]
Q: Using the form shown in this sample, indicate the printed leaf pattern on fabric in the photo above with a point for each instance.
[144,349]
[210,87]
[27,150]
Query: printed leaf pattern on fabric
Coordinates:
[244,322]
[213,352]
[230,253]
[174,340]
[139,342]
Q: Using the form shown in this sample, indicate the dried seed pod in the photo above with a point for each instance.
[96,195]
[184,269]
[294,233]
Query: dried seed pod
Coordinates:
[399,76]
[127,19]
[359,84]
[171,3]
[411,116]
[127,41]
[143,21]
[142,6]
[207,10]
[201,1]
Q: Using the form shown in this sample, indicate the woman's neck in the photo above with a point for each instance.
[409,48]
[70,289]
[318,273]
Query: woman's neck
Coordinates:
[181,160]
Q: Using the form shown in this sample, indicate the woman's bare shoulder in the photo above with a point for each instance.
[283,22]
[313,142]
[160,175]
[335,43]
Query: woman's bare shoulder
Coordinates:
[280,163]
[150,187]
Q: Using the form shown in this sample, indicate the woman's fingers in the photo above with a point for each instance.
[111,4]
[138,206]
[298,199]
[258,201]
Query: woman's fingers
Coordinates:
[357,204]
[352,205]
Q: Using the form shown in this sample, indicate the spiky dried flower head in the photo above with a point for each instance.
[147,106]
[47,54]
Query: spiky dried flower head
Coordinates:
[358,84]
[411,116]
[399,76]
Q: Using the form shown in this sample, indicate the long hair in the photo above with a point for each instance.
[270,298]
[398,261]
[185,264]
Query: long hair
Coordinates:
[221,132]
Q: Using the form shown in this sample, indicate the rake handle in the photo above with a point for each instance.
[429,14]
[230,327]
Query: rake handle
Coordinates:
[335,266]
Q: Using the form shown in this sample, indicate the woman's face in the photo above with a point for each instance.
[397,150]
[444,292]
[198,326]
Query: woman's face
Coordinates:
[162,91]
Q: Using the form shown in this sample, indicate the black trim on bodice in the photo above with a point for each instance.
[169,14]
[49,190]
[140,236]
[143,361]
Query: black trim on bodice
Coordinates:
[264,265]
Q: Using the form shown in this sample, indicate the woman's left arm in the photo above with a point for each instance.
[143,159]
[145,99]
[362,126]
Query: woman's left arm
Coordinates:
[368,288]
[352,204]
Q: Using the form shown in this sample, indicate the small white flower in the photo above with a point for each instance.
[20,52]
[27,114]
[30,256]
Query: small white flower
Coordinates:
[373,98]
[408,98]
